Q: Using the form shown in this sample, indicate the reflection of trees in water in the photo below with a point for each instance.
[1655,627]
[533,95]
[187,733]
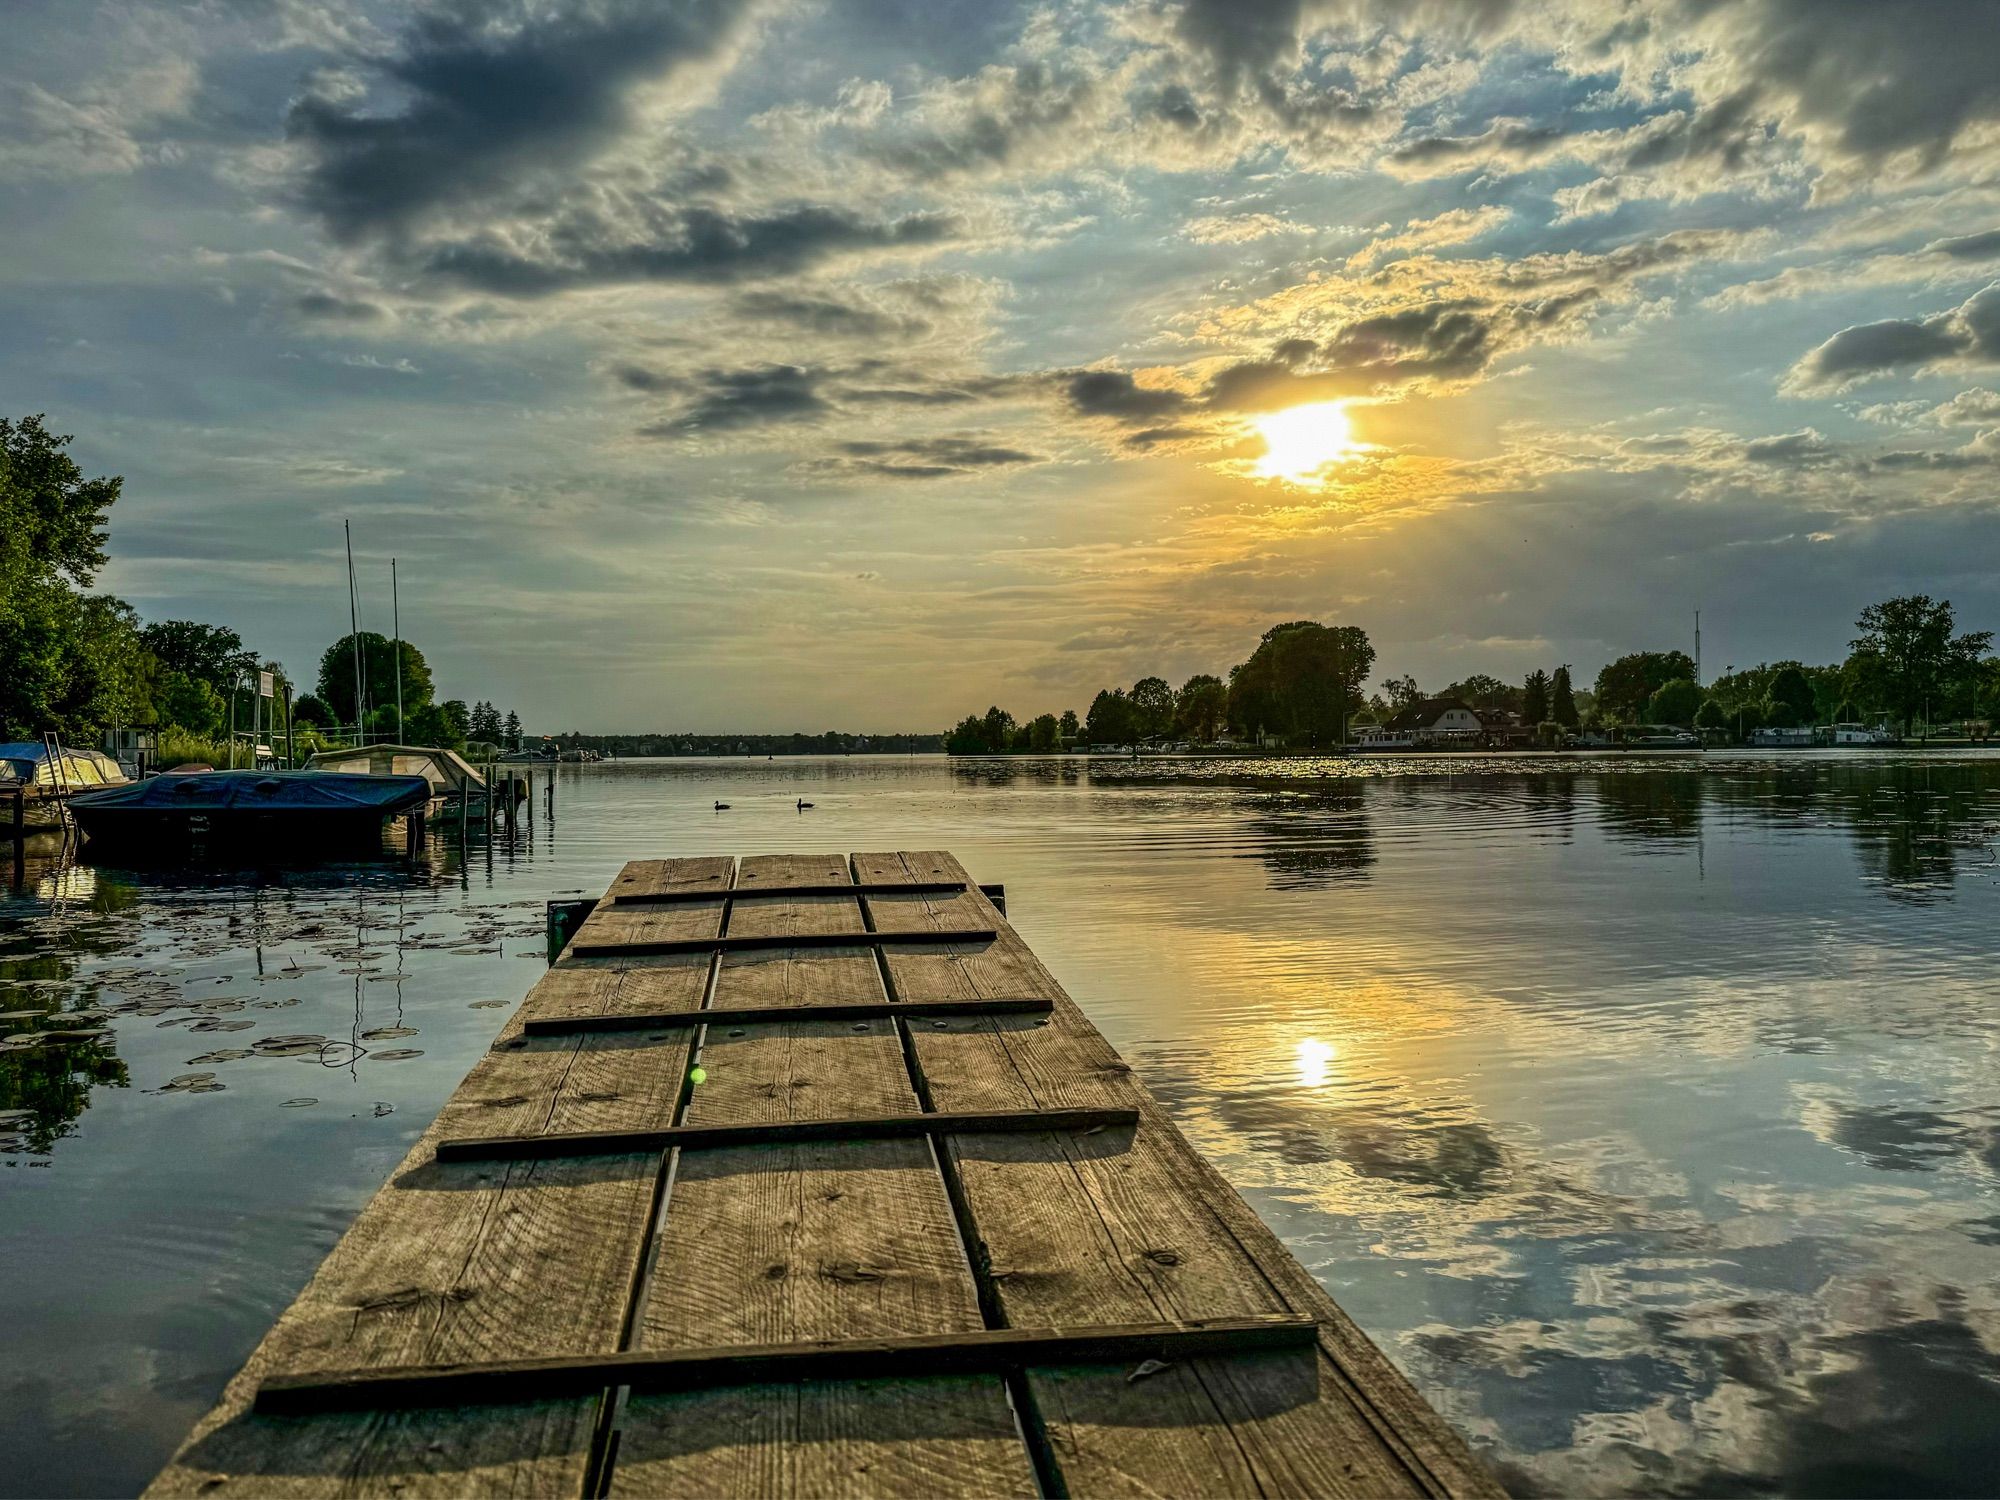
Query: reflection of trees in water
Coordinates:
[1316,838]
[1015,770]
[77,914]
[1651,806]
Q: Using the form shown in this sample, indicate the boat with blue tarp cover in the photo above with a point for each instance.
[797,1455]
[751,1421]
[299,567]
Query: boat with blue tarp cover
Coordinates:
[296,813]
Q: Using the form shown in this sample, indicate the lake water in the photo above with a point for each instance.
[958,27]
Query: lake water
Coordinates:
[1646,1112]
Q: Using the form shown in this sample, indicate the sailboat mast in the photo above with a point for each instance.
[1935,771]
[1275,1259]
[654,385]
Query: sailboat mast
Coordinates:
[354,639]
[396,619]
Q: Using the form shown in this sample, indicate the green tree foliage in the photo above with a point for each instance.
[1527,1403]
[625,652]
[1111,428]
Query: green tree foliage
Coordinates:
[1908,659]
[1790,687]
[1779,714]
[1677,701]
[512,728]
[1562,699]
[1152,707]
[1111,720]
[1482,691]
[310,708]
[1303,679]
[68,661]
[486,722]
[378,672]
[1624,686]
[1068,726]
[1041,733]
[446,725]
[191,703]
[1712,716]
[1201,707]
[1400,692]
[1535,697]
[213,654]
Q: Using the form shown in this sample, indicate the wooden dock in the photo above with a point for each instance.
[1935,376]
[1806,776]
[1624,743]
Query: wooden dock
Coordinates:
[802,1176]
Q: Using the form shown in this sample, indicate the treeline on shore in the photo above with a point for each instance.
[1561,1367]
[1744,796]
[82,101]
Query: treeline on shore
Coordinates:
[829,742]
[1304,687]
[82,663]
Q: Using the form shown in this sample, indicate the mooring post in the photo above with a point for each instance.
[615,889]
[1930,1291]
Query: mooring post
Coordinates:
[528,780]
[20,814]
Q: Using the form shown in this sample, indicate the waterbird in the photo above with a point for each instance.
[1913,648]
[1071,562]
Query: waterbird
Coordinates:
[803,804]
[722,807]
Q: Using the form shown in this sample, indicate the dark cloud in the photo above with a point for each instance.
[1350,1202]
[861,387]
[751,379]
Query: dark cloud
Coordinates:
[686,245]
[1967,246]
[1968,333]
[1882,79]
[927,457]
[1508,142]
[725,400]
[1803,447]
[827,315]
[1113,393]
[489,93]
[326,307]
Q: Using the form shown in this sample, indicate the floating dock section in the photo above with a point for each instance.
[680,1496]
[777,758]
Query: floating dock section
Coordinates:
[801,1176]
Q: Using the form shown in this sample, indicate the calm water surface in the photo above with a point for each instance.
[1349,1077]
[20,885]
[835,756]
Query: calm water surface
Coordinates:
[1647,1113]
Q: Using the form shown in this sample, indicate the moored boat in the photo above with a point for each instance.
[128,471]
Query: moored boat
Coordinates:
[294,814]
[42,780]
[451,776]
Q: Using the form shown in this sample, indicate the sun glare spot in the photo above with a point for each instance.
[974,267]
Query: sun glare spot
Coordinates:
[1315,1061]
[1301,442]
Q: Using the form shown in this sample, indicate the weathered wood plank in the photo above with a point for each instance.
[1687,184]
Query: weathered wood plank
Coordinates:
[770,1244]
[1152,1231]
[464,1262]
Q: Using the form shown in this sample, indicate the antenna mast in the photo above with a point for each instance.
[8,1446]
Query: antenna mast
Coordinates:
[396,615]
[1697,648]
[354,639]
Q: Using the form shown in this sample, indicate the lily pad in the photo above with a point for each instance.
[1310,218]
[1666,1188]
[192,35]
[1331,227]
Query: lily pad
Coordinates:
[397,1054]
[297,1103]
[223,1054]
[386,1033]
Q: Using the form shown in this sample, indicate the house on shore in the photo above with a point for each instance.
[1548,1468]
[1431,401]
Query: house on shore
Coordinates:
[1426,723]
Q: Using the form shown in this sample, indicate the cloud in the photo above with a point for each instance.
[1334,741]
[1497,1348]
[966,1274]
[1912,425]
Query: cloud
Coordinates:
[1803,447]
[1967,246]
[693,244]
[329,308]
[98,129]
[1973,408]
[1114,393]
[474,99]
[950,457]
[1239,229]
[1967,334]
[725,400]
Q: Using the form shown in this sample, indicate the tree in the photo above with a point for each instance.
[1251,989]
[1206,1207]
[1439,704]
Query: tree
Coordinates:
[485,722]
[1152,706]
[1042,731]
[1068,727]
[445,725]
[512,728]
[1482,691]
[1780,714]
[1318,673]
[309,708]
[213,653]
[1111,720]
[1625,684]
[1677,701]
[998,728]
[1401,692]
[1907,655]
[190,703]
[1201,707]
[378,662]
[967,737]
[1562,699]
[67,660]
[1847,713]
[1790,688]
[1535,697]
[1711,716]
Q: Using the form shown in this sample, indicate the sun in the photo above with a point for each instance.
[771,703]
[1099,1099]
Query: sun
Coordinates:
[1300,442]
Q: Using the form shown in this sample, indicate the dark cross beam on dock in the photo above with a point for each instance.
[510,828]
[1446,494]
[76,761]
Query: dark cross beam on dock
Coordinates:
[754,1015]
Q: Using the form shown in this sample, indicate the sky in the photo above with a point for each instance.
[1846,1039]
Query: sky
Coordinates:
[770,365]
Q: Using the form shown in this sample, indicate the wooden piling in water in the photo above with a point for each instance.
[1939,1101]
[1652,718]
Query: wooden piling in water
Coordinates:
[732,1257]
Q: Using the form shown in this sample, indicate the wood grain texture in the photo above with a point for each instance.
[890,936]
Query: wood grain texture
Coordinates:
[1147,1230]
[852,1239]
[465,1262]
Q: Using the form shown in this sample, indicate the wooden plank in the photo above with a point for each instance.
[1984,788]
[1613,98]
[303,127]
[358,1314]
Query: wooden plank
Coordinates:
[987,1350]
[745,893]
[749,1015]
[1148,1232]
[836,1128]
[463,1262]
[836,938]
[774,1244]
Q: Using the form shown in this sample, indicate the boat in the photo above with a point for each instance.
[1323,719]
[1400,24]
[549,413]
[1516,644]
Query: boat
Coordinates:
[452,778]
[27,769]
[295,813]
